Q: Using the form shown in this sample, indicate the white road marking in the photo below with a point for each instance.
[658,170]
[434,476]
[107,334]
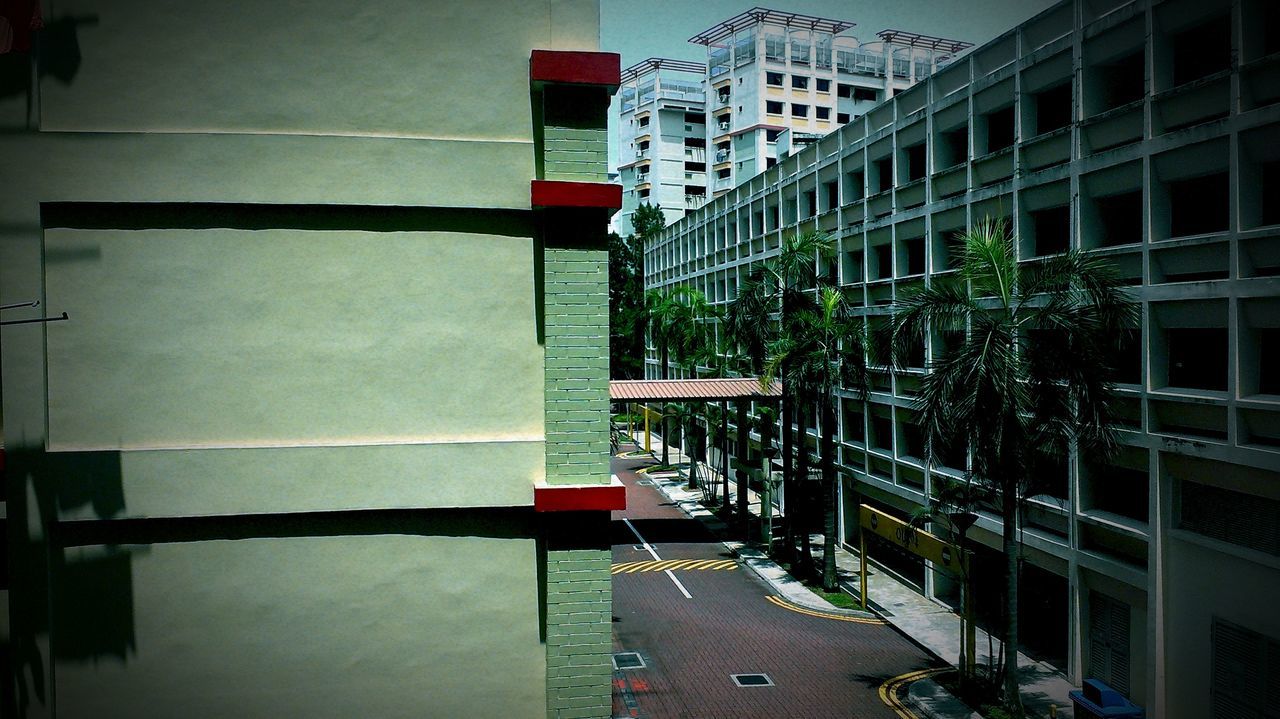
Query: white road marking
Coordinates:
[656,558]
[643,543]
[679,586]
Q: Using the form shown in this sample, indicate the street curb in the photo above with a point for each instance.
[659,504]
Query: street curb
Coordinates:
[778,579]
[930,700]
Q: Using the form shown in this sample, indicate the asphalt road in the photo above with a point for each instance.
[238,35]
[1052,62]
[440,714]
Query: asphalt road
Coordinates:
[695,624]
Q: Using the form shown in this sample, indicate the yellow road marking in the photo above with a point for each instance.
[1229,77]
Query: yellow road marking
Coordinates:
[822,615]
[652,565]
[890,690]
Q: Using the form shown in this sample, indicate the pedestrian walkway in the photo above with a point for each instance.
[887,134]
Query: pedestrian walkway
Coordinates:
[930,624]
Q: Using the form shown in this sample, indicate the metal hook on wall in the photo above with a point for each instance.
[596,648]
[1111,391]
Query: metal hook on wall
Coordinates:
[33,303]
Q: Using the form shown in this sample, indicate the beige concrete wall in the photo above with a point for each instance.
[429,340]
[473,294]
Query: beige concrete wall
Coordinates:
[328,626]
[228,338]
[267,67]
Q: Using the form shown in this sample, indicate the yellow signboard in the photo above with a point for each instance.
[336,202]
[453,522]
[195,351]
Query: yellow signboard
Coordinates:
[916,541]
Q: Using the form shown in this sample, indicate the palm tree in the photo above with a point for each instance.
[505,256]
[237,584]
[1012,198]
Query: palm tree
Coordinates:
[824,350]
[1032,374]
[758,317]
[674,318]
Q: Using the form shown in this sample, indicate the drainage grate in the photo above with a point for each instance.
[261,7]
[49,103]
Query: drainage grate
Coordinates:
[627,660]
[751,680]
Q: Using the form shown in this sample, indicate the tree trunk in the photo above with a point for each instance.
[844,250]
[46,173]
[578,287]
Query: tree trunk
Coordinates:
[830,581]
[789,493]
[741,474]
[804,562]
[724,450]
[690,442]
[1012,695]
[666,421]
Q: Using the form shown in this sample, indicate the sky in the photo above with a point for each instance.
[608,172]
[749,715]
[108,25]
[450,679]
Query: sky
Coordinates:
[639,29]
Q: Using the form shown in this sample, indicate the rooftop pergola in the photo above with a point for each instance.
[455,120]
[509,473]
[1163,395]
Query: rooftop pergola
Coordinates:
[757,15]
[912,39]
[653,64]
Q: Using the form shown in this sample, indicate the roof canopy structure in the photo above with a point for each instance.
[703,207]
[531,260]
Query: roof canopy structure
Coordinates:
[641,390]
[911,39]
[652,64]
[757,15]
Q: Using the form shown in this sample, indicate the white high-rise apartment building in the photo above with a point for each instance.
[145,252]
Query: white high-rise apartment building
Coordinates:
[767,72]
[662,131]
[770,71]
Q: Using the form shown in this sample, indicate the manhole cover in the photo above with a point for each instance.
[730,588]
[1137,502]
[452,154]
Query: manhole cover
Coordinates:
[752,680]
[627,660]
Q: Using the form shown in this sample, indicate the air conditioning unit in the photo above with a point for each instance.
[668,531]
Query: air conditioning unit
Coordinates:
[724,125]
[639,153]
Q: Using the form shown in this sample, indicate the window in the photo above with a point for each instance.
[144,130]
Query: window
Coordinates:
[1120,218]
[822,85]
[1000,129]
[1199,205]
[772,107]
[1245,520]
[1053,108]
[799,82]
[843,90]
[644,121]
[842,117]
[824,113]
[1051,228]
[775,48]
[915,162]
[884,174]
[1202,50]
[861,94]
[1268,360]
[774,79]
[799,110]
[915,262]
[772,135]
[1197,357]
[1245,671]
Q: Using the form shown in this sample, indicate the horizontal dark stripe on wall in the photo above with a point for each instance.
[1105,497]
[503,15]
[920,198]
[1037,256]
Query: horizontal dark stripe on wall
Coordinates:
[248,216]
[493,523]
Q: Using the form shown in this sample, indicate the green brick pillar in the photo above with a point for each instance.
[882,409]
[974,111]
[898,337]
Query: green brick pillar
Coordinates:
[579,618]
[572,147]
[576,322]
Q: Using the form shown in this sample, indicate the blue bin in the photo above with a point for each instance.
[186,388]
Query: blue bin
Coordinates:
[1096,699]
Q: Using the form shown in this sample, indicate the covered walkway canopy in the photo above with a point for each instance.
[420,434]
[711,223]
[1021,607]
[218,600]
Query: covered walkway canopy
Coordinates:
[676,390]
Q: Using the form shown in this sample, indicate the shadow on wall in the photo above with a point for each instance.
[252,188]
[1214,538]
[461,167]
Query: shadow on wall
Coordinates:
[91,595]
[56,54]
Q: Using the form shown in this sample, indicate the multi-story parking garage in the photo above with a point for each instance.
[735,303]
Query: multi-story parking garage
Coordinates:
[1145,132]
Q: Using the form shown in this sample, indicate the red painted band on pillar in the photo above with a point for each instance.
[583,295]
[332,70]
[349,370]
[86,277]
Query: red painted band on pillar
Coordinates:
[578,68]
[559,193]
[604,497]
